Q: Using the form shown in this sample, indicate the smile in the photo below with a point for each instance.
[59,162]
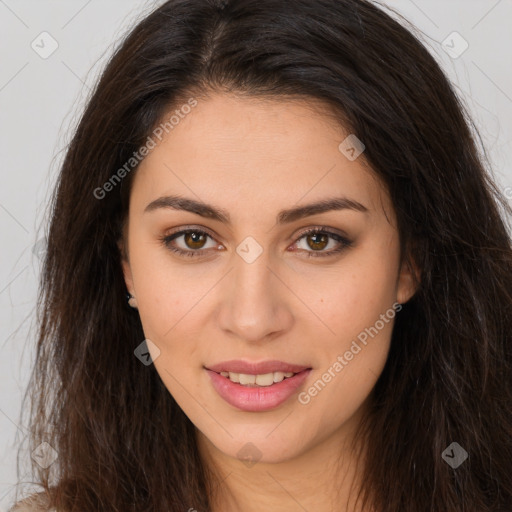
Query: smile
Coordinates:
[256,392]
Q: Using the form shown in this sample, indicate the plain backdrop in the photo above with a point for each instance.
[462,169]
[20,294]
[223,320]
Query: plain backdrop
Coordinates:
[52,52]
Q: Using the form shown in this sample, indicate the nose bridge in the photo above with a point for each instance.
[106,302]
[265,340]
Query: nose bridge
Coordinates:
[254,306]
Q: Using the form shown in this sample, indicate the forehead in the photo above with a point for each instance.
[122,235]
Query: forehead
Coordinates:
[255,151]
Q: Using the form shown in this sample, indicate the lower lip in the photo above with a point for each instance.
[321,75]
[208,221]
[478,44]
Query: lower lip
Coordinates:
[256,399]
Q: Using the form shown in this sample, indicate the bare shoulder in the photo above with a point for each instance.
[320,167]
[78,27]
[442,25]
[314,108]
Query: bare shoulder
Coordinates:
[35,503]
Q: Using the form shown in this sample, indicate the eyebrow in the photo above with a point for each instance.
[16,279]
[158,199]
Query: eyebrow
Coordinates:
[283,217]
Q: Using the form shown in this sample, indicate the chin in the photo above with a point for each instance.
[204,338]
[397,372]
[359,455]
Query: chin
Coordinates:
[252,446]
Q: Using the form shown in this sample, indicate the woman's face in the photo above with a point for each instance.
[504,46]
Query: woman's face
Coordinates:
[252,286]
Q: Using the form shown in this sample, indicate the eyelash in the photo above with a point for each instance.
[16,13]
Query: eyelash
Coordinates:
[344,243]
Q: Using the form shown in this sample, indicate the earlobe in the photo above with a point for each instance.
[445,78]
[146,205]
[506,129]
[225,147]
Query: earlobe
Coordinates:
[132,301]
[408,281]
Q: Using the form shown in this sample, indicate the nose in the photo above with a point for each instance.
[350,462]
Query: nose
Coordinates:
[256,304]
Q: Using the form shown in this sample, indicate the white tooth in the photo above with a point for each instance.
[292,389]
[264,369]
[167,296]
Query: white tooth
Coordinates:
[265,380]
[246,379]
[278,376]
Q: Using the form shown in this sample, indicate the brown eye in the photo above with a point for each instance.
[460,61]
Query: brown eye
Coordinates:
[317,241]
[194,239]
[189,242]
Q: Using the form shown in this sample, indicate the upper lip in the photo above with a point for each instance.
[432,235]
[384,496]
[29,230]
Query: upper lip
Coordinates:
[250,368]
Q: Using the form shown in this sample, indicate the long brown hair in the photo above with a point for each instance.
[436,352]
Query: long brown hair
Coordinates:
[122,441]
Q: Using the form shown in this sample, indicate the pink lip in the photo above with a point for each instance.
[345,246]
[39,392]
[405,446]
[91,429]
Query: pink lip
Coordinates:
[256,399]
[238,366]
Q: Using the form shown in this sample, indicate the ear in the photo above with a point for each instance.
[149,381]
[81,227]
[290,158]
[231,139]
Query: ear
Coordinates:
[125,265]
[408,281]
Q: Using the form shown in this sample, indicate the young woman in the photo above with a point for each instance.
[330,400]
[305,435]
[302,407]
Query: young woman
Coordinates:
[318,271]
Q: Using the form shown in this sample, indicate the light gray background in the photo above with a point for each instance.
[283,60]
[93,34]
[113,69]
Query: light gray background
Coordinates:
[42,98]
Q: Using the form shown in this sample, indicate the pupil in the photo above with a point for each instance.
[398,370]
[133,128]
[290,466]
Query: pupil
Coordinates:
[322,243]
[195,239]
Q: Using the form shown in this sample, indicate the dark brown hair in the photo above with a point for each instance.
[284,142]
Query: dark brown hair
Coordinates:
[122,441]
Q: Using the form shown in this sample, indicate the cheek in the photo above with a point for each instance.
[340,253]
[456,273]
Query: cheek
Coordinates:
[357,351]
[359,312]
[355,294]
[167,290]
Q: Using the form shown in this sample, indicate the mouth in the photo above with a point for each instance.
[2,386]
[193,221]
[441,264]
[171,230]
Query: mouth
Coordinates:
[256,387]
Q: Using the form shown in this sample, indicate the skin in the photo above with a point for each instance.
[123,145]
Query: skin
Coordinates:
[254,158]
